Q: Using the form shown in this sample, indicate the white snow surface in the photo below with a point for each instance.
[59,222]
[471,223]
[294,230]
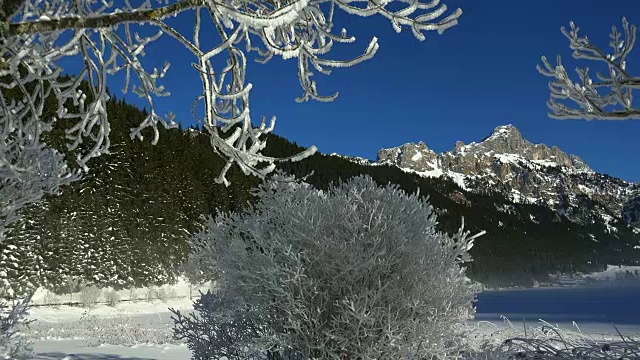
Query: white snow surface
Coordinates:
[143,309]
[61,331]
[73,347]
[613,272]
[81,350]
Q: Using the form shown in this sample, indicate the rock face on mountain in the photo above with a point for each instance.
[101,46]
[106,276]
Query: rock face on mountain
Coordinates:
[416,157]
[505,162]
[631,208]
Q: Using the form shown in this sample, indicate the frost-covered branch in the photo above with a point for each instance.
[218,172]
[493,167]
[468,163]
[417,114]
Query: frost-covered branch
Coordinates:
[12,344]
[28,171]
[44,24]
[41,33]
[608,96]
[28,168]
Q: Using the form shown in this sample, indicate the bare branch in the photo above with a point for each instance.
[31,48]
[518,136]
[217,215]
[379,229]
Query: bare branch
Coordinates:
[610,95]
[101,21]
[102,36]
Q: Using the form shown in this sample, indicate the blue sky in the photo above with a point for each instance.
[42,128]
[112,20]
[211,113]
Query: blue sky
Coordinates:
[455,86]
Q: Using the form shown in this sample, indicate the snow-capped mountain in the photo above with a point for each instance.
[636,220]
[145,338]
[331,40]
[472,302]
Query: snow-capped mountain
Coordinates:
[355,159]
[507,163]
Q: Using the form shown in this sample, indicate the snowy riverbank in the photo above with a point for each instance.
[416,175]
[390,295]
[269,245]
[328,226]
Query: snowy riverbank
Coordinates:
[136,330]
[139,326]
[614,275]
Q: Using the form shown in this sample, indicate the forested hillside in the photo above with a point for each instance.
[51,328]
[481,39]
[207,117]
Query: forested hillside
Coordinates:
[128,222]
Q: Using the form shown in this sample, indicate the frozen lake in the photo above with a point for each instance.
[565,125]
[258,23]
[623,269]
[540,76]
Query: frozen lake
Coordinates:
[601,304]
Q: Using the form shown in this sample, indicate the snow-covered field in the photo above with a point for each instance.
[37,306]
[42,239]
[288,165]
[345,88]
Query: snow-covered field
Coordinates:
[139,326]
[142,330]
[80,350]
[614,272]
[130,330]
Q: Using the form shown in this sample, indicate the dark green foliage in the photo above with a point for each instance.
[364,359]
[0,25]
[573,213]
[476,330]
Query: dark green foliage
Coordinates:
[529,242]
[128,221]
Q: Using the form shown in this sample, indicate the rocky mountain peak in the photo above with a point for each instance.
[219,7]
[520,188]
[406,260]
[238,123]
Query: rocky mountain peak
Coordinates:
[410,155]
[506,162]
[507,144]
[503,139]
[505,132]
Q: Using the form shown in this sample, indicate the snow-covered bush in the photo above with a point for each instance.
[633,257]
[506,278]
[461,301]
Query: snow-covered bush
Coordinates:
[89,296]
[71,285]
[133,294]
[165,293]
[150,294]
[220,326]
[359,271]
[49,298]
[12,344]
[111,297]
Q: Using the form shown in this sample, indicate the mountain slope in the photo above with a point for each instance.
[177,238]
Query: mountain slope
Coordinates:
[128,222]
[506,163]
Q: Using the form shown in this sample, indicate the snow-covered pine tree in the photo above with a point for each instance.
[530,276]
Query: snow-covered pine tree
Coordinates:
[23,267]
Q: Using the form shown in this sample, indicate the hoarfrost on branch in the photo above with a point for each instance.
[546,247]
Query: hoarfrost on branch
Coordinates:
[37,34]
[608,96]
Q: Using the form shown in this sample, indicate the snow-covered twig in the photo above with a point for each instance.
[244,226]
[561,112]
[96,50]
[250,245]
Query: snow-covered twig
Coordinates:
[39,33]
[607,97]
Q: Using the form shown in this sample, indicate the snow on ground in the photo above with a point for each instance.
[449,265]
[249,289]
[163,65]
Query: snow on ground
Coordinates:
[141,330]
[614,272]
[140,327]
[141,309]
[582,334]
[75,330]
[82,350]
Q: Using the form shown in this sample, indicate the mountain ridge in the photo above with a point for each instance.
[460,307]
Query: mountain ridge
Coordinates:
[524,172]
[128,223]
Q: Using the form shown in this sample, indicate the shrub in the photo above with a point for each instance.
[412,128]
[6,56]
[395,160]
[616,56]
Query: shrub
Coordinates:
[235,326]
[13,344]
[89,296]
[171,292]
[150,294]
[111,297]
[162,294]
[71,285]
[133,295]
[358,271]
